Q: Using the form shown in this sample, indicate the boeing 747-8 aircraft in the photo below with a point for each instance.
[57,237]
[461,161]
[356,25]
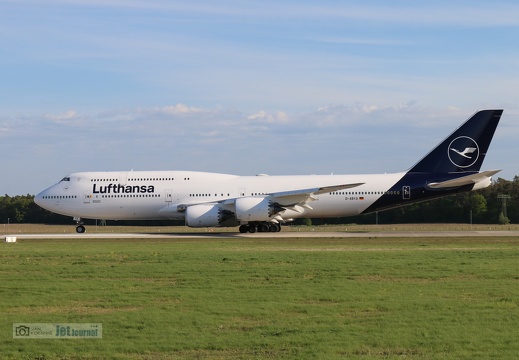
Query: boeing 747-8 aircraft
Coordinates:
[261,203]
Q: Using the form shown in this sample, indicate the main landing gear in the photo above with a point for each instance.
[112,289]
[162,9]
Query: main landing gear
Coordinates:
[80,229]
[253,227]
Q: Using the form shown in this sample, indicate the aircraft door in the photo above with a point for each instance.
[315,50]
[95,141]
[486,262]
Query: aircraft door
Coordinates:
[406,192]
[123,178]
[169,195]
[86,197]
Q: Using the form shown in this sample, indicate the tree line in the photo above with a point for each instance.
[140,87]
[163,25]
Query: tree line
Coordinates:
[479,207]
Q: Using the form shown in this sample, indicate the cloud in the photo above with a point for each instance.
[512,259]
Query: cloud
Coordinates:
[498,13]
[364,114]
[184,123]
[177,109]
[335,138]
[63,117]
[361,41]
[189,123]
[278,117]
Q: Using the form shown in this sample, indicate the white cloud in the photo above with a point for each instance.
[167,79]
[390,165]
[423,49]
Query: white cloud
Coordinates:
[177,109]
[361,41]
[278,117]
[323,140]
[63,117]
[497,13]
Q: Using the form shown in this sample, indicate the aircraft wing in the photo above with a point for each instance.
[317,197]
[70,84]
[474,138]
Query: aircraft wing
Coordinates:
[296,196]
[464,180]
[302,195]
[297,200]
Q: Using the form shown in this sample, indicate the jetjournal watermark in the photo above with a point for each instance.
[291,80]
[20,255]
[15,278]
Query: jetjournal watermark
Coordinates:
[57,331]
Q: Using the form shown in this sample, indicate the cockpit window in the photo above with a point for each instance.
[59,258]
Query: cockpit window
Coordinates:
[66,178]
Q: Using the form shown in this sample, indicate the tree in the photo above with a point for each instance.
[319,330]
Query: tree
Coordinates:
[503,220]
[478,207]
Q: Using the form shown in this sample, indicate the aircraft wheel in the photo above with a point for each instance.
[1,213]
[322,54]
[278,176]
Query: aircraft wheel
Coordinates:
[80,229]
[263,227]
[244,229]
[274,227]
[252,229]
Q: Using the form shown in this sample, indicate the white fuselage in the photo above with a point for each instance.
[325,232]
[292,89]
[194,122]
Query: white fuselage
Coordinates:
[154,195]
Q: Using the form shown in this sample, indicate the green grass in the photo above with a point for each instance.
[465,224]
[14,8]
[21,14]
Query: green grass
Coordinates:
[454,298]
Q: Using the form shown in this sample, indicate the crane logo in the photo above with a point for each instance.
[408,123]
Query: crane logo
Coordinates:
[463,152]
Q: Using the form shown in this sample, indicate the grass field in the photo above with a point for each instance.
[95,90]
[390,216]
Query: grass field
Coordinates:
[411,298]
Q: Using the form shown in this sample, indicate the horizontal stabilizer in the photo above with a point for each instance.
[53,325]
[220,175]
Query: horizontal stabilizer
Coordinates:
[464,180]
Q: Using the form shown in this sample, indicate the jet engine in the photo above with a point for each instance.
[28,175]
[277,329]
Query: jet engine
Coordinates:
[255,208]
[208,215]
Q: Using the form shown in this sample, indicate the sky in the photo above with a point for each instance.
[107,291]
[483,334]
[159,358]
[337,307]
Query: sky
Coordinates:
[248,87]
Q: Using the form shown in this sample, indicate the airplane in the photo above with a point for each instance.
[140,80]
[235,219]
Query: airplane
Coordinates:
[262,203]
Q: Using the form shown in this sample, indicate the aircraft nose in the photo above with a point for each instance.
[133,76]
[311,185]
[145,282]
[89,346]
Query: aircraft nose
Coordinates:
[38,198]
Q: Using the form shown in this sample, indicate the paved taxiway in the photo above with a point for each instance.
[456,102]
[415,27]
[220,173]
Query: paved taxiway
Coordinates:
[309,234]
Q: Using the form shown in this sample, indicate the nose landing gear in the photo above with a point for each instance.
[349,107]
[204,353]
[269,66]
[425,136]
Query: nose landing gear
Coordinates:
[80,229]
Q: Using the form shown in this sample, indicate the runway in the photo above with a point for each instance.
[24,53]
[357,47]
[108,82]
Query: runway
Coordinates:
[281,235]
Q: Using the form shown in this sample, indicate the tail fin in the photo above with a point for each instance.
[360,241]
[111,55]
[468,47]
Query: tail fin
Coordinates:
[465,149]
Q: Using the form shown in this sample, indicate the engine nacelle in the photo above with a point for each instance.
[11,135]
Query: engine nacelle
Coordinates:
[253,208]
[209,215]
